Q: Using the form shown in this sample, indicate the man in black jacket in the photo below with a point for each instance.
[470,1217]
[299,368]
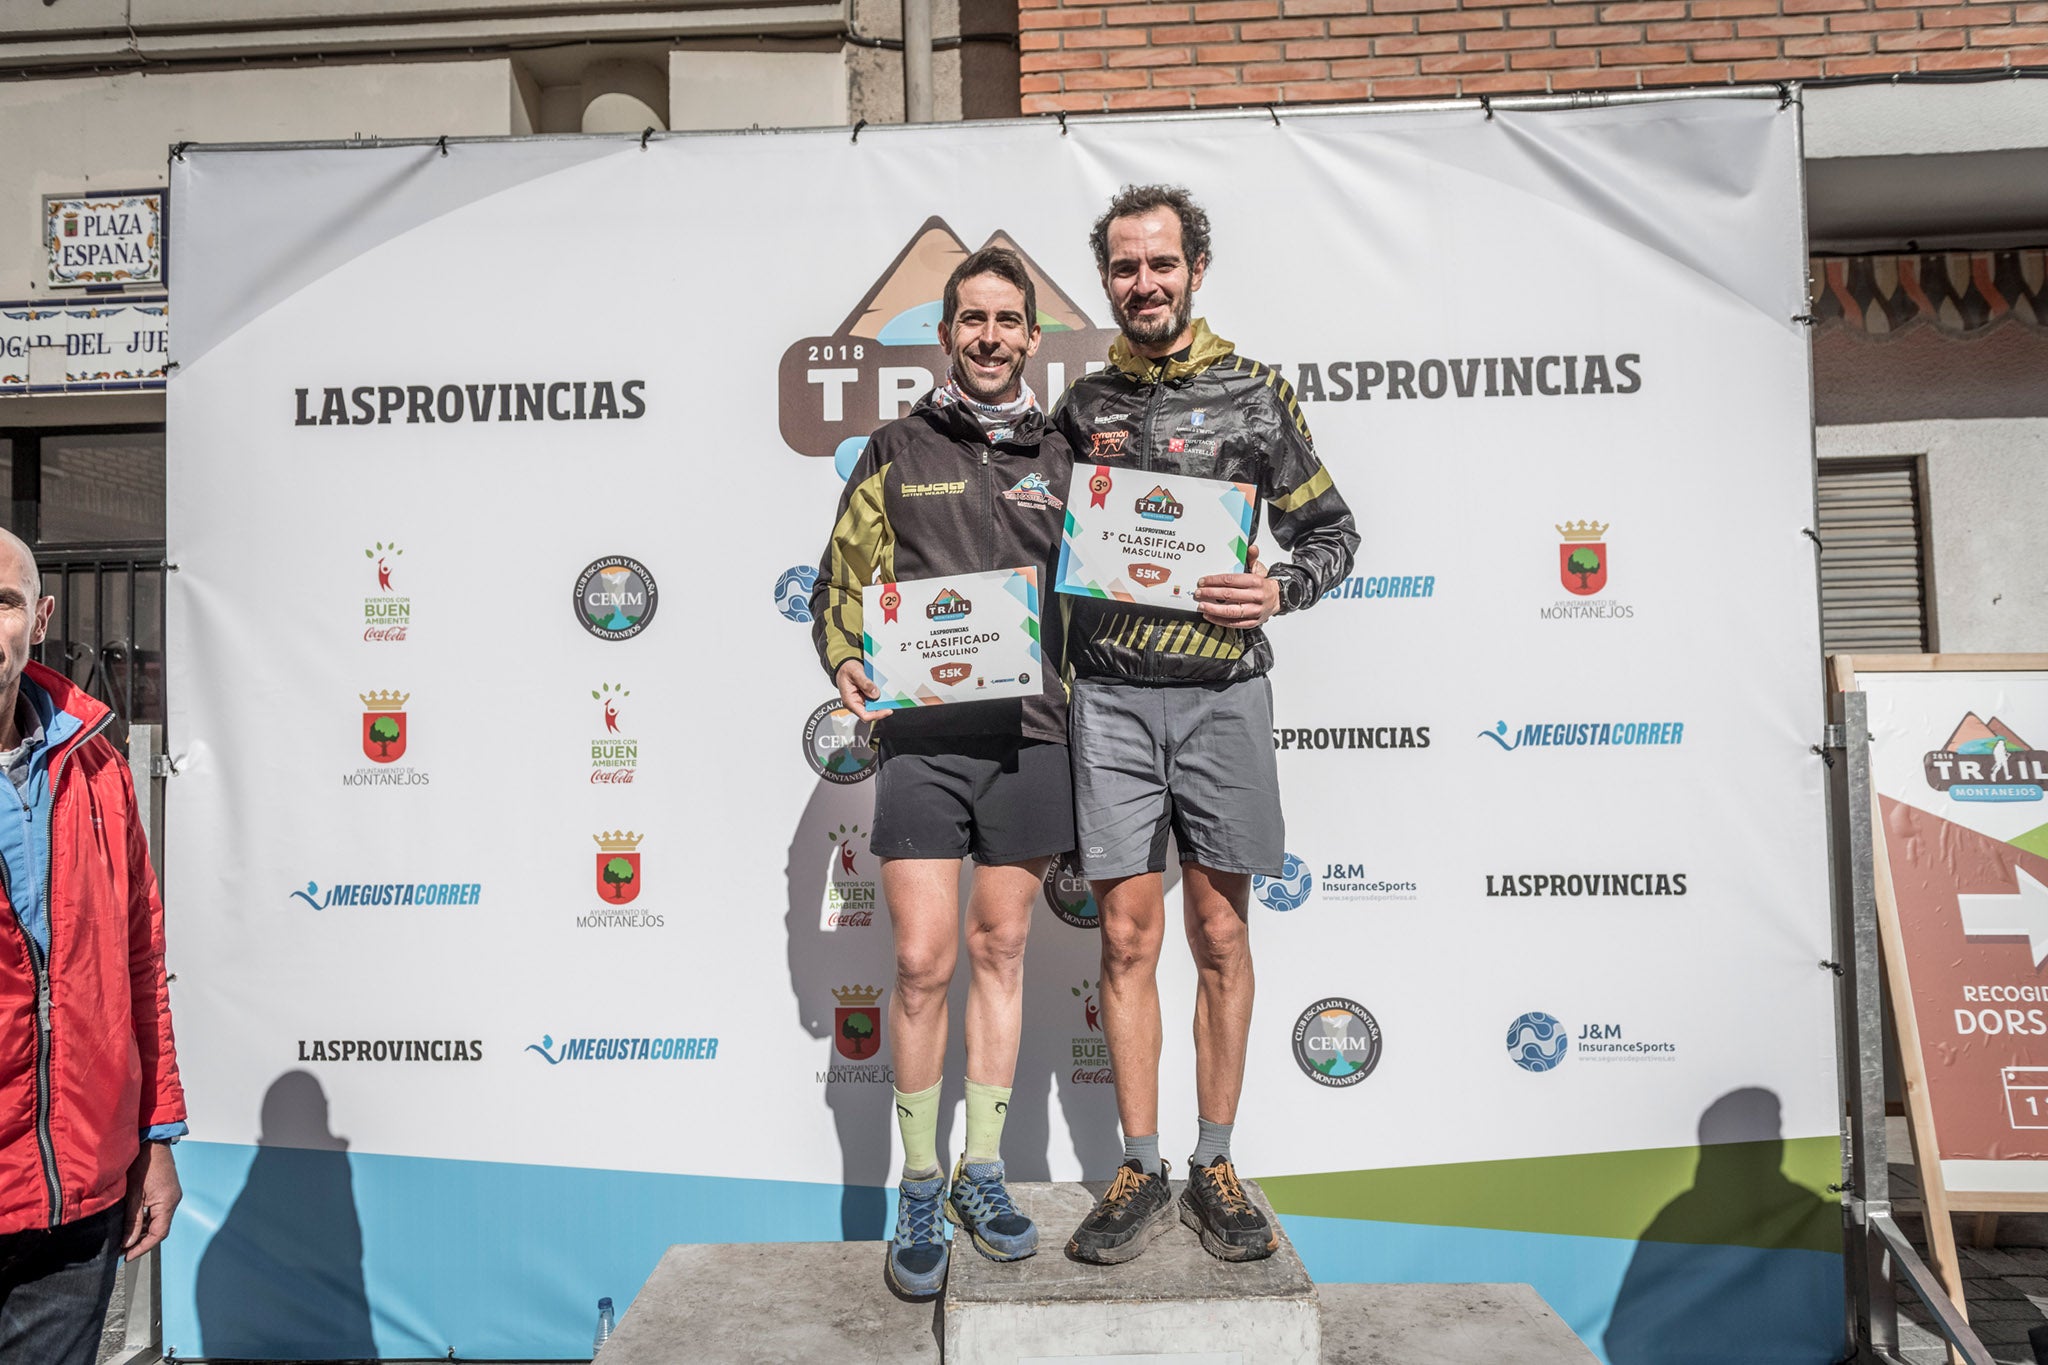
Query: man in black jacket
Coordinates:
[1171,716]
[972,480]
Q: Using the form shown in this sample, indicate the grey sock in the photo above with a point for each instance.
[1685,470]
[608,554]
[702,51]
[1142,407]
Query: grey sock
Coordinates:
[1212,1145]
[1144,1151]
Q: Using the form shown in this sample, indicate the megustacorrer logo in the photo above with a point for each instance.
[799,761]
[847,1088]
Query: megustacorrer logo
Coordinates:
[838,388]
[618,866]
[384,727]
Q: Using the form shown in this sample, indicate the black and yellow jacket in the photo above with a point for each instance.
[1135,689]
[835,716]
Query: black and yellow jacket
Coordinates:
[931,495]
[1210,415]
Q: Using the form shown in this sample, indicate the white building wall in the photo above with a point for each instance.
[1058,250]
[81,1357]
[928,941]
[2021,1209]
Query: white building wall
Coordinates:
[1988,500]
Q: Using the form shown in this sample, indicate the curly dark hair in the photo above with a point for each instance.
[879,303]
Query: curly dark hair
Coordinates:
[1132,200]
[1000,262]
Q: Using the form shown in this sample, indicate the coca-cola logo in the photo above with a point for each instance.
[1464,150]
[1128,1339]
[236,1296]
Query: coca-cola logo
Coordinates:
[1150,575]
[852,919]
[1100,1075]
[951,673]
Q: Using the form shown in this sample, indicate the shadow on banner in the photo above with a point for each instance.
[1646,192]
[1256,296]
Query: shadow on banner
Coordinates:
[284,1275]
[1701,1277]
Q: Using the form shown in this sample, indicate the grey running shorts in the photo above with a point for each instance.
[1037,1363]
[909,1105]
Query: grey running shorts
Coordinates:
[1195,758]
[1003,800]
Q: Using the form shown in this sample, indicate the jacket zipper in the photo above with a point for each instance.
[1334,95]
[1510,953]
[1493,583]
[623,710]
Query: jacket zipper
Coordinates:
[988,502]
[39,969]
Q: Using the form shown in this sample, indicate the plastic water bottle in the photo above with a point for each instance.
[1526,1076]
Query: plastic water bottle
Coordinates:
[604,1326]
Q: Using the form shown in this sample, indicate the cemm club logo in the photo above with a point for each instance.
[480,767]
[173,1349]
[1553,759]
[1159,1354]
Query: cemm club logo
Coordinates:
[1336,1042]
[615,597]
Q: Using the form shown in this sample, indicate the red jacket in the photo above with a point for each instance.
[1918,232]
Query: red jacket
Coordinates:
[76,1095]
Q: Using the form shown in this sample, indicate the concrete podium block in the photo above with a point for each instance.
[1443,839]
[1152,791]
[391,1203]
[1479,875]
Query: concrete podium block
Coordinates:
[773,1303]
[1174,1305]
[1445,1324]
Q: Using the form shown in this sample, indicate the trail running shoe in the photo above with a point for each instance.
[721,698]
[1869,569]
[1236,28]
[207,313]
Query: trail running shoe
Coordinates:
[1136,1208]
[1217,1208]
[917,1254]
[981,1205]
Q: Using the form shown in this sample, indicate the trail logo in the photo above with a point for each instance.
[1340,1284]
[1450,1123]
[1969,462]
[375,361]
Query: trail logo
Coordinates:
[1288,891]
[1537,1042]
[615,597]
[850,898]
[1987,761]
[836,389]
[948,606]
[1159,505]
[1091,1049]
[1582,557]
[839,746]
[384,728]
[793,592]
[1069,894]
[618,866]
[857,1022]
[387,615]
[1336,1042]
[1033,491]
[614,756]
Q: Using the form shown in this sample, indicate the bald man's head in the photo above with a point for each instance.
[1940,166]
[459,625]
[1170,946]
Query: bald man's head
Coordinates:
[16,558]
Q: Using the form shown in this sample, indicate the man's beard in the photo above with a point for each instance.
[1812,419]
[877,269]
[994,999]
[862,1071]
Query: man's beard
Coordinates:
[971,384]
[1157,334]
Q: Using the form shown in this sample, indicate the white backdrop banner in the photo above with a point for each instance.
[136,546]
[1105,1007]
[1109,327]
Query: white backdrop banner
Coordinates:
[523,915]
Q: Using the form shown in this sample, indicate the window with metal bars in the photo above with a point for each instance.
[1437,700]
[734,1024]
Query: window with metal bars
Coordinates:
[1873,565]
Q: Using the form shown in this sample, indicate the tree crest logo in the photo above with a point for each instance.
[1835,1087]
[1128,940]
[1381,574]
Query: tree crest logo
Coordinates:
[1582,557]
[618,866]
[384,727]
[836,389]
[857,1022]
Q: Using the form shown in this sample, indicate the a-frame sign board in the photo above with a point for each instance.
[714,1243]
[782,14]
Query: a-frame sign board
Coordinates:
[1959,818]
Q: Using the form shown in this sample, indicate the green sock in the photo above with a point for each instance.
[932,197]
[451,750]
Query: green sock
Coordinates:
[918,1117]
[987,1106]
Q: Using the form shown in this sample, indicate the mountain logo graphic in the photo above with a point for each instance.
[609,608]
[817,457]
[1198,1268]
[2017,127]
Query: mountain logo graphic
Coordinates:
[1987,761]
[835,389]
[948,606]
[1158,505]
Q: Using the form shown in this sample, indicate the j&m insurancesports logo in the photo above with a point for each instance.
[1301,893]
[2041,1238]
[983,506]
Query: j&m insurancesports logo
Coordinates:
[624,1049]
[839,746]
[615,597]
[1621,734]
[386,732]
[837,388]
[402,894]
[1987,761]
[387,615]
[391,1049]
[793,592]
[1068,894]
[1288,891]
[1538,1042]
[1336,1042]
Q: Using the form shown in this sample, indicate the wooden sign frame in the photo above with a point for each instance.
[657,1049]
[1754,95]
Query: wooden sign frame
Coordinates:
[1940,1201]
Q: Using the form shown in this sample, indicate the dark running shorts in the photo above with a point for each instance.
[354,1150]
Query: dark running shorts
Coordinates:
[1002,800]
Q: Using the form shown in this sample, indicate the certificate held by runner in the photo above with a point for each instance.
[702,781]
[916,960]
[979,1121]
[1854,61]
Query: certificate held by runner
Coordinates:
[962,638]
[1147,537]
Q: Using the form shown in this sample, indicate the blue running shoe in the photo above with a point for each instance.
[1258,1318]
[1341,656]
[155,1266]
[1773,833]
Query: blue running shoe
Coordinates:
[917,1255]
[981,1205]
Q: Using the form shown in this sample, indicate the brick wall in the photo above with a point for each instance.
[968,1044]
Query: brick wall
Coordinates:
[1083,55]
